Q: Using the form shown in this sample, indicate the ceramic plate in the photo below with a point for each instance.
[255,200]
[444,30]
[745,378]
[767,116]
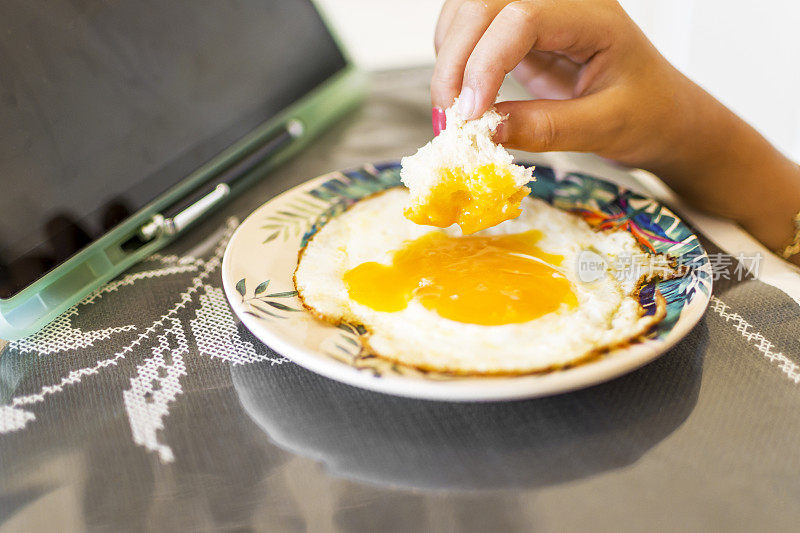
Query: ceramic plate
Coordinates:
[261,258]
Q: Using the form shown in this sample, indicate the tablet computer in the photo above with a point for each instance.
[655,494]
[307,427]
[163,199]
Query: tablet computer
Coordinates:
[124,122]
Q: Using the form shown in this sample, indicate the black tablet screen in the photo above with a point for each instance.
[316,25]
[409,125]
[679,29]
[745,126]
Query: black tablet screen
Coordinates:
[106,104]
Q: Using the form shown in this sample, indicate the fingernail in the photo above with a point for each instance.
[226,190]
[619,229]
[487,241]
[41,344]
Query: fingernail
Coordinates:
[438,119]
[466,103]
[501,133]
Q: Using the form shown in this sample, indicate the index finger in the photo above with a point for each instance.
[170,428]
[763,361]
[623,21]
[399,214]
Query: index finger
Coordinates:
[570,27]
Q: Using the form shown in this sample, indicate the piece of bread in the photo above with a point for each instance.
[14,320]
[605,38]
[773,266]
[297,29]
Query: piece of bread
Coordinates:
[462,177]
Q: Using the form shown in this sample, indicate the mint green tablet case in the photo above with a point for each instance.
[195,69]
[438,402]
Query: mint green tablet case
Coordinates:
[64,286]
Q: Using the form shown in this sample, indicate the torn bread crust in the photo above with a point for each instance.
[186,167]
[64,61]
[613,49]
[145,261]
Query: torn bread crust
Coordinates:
[644,327]
[463,177]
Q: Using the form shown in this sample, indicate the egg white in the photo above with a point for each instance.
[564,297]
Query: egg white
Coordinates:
[608,313]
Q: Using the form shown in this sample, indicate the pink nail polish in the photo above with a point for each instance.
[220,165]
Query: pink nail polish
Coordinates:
[438,119]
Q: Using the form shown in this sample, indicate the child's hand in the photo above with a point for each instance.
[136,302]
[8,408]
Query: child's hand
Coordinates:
[604,88]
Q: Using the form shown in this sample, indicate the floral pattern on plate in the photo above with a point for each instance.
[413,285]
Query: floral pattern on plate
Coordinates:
[266,247]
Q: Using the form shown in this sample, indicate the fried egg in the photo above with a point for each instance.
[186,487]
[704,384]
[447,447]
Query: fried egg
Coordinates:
[462,177]
[505,300]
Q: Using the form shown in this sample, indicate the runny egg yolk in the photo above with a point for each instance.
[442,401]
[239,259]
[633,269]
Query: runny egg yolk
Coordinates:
[491,280]
[477,200]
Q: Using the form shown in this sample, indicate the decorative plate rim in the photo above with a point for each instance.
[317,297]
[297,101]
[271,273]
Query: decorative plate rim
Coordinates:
[614,364]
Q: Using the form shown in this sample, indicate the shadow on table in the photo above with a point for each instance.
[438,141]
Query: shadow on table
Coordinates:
[394,441]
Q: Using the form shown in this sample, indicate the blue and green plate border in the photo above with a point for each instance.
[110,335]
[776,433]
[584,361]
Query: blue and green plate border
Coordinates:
[602,204]
[259,263]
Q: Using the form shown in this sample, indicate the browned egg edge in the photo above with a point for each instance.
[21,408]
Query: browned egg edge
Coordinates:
[443,372]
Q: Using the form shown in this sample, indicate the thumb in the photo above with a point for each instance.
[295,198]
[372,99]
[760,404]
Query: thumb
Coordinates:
[583,124]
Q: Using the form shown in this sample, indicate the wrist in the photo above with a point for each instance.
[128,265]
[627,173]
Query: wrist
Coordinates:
[722,165]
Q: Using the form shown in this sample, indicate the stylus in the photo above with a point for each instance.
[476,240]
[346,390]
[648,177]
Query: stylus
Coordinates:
[178,217]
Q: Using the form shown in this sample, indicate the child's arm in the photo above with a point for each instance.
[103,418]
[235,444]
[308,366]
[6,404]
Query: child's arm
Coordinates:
[604,88]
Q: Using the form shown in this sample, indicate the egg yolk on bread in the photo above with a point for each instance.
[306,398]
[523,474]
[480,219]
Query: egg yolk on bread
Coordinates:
[477,200]
[463,177]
